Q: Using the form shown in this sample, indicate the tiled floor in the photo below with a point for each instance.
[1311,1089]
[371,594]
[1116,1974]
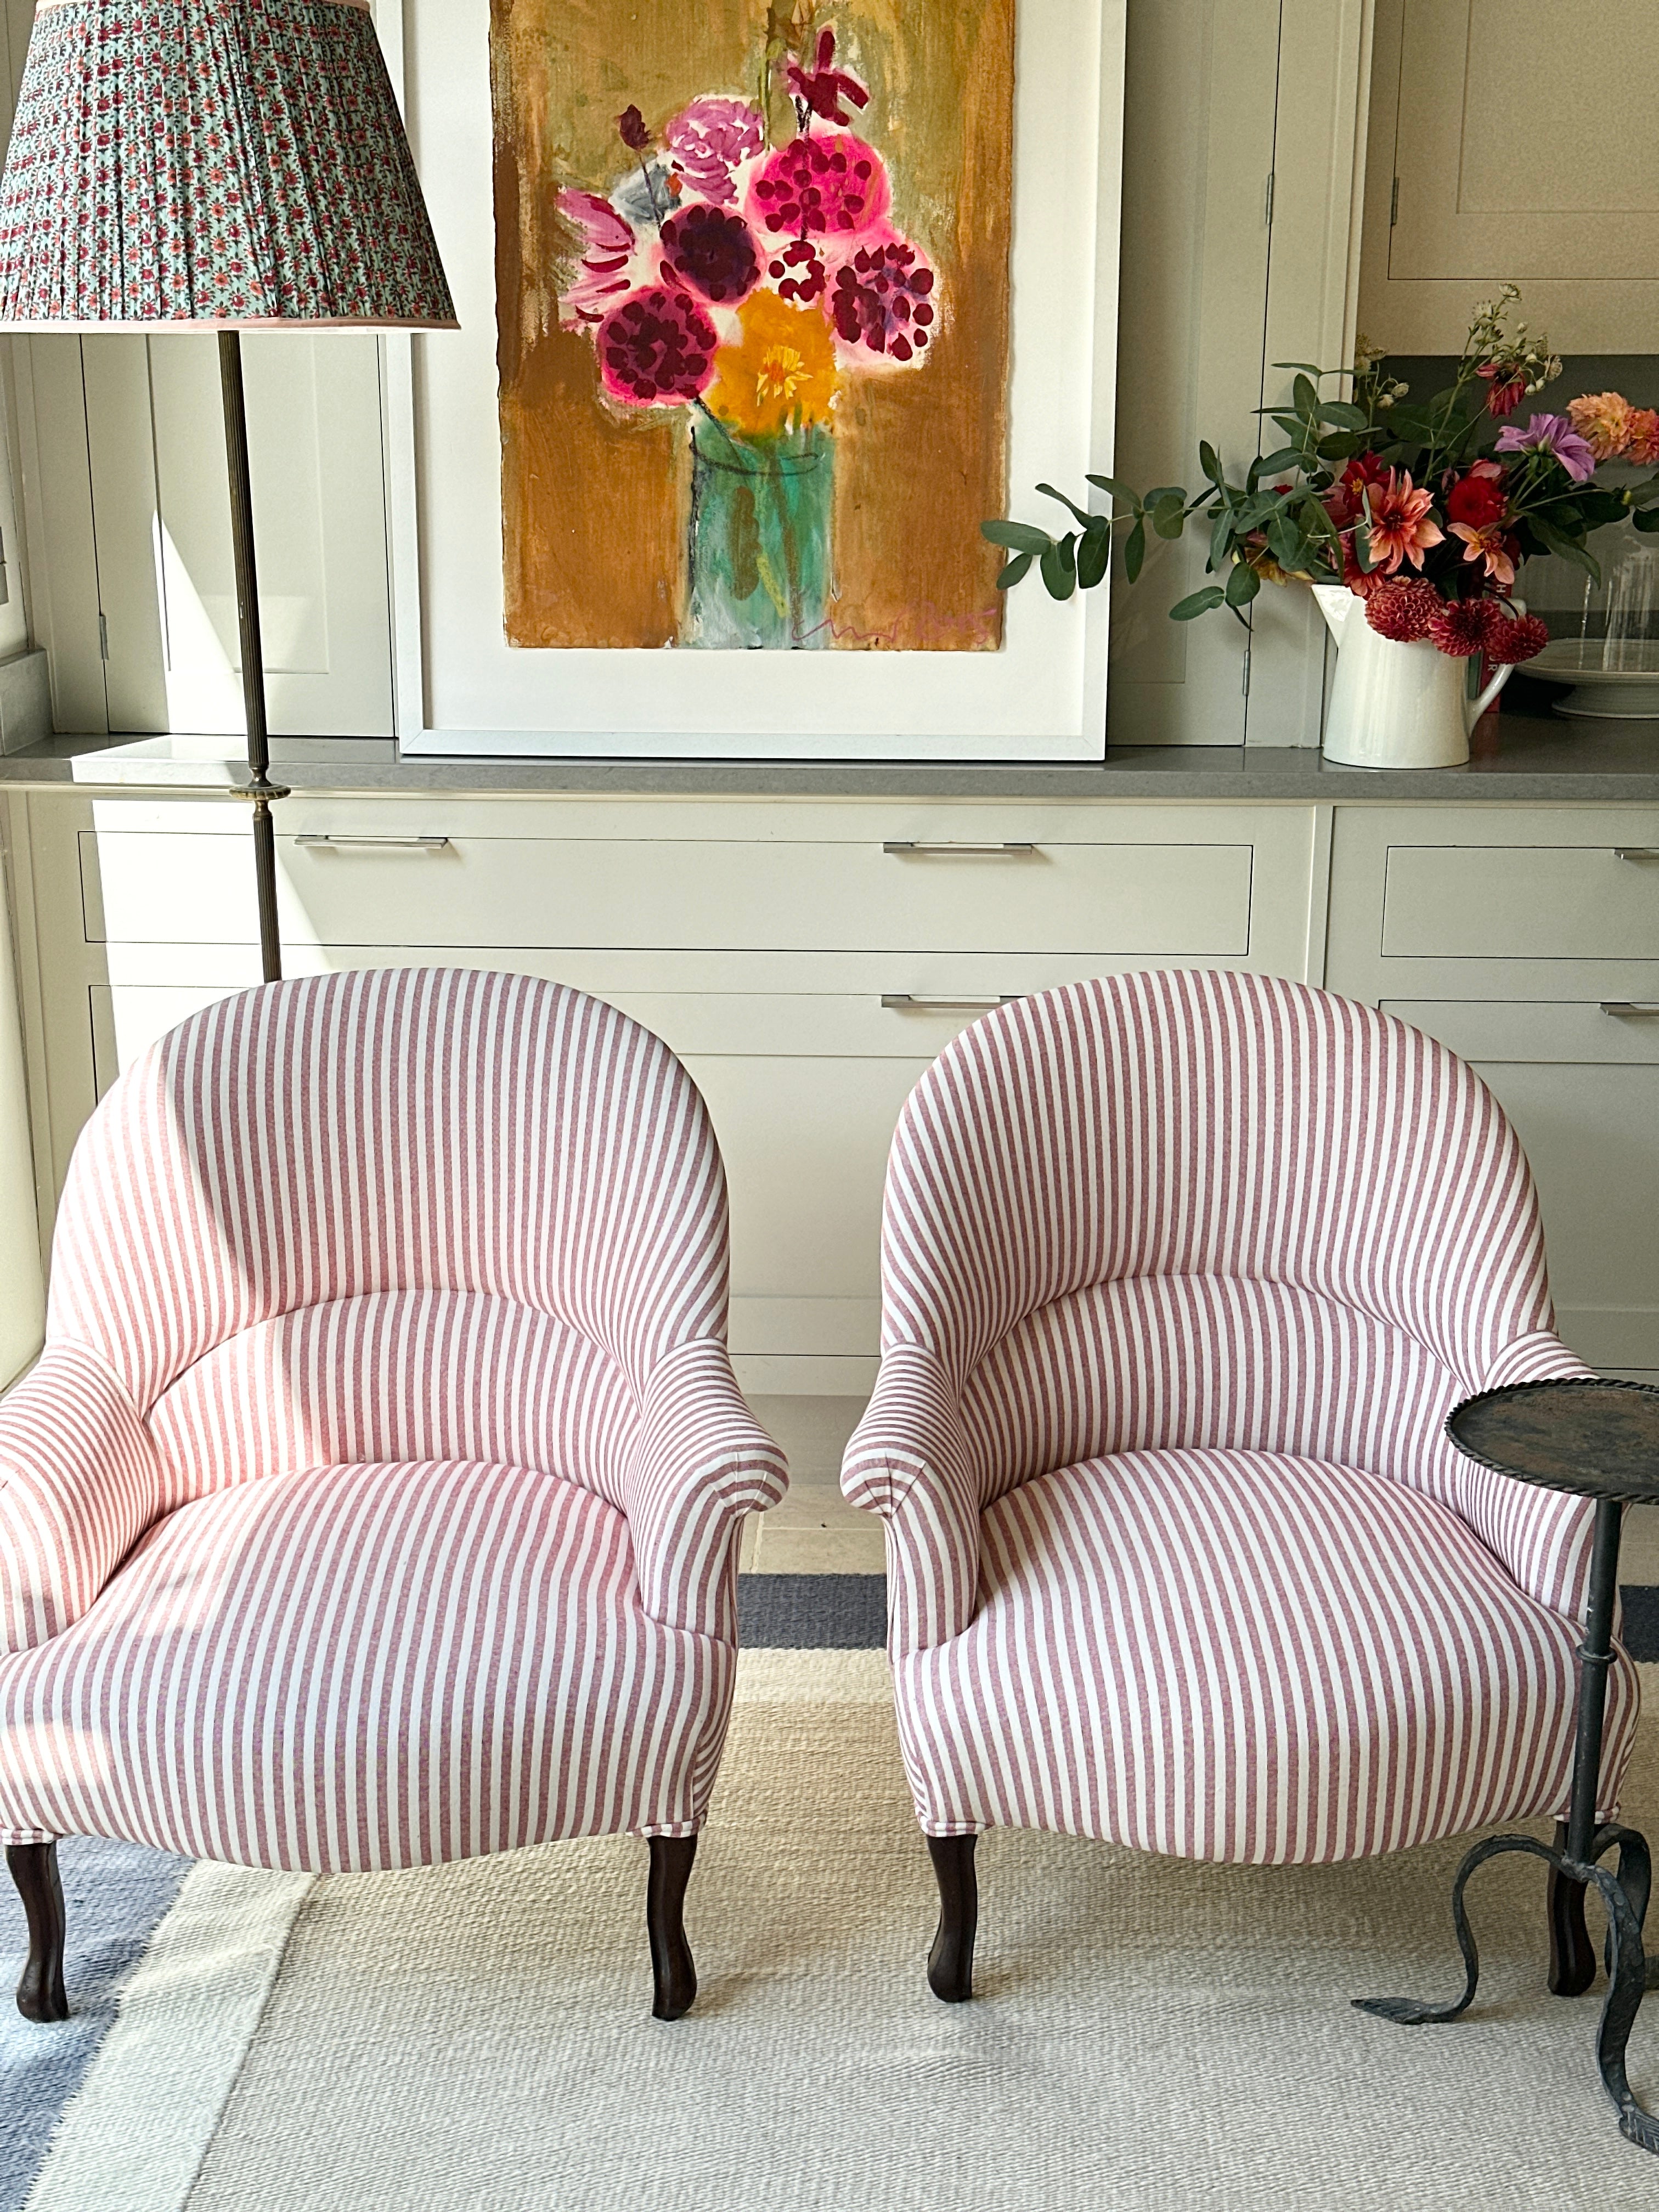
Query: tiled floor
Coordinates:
[815,1531]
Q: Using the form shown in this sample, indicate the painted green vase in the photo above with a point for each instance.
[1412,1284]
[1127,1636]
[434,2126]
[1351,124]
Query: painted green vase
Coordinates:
[760,545]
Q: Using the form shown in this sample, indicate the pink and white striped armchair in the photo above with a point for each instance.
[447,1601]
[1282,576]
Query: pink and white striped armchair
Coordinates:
[1182,1273]
[375,1500]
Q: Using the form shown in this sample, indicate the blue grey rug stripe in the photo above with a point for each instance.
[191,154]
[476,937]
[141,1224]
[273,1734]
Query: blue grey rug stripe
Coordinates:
[117,1895]
[811,1613]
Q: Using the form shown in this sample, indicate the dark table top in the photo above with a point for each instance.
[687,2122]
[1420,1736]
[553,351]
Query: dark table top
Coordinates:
[1596,1438]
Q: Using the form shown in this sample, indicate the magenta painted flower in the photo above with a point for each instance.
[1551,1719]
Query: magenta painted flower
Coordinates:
[796,272]
[712,252]
[656,349]
[883,300]
[707,141]
[606,248]
[821,90]
[829,185]
[1555,436]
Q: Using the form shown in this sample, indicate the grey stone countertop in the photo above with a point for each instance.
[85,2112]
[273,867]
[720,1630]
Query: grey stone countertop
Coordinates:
[1525,756]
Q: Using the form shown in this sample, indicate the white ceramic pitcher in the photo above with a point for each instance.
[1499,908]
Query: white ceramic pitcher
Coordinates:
[1394,705]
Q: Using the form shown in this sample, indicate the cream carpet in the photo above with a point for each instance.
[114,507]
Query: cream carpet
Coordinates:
[1147,2033]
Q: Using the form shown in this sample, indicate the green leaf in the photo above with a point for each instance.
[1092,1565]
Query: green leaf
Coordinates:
[1081,512]
[1221,541]
[1018,537]
[1134,549]
[1060,567]
[1208,461]
[1198,603]
[1118,488]
[1287,456]
[1160,492]
[1015,569]
[1312,367]
[1242,585]
[1093,556]
[1169,517]
[1646,519]
[1345,416]
[1288,546]
[1304,399]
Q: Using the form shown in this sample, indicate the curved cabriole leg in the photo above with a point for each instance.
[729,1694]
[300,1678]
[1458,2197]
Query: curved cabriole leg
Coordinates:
[35,1870]
[1572,1956]
[951,1961]
[673,1973]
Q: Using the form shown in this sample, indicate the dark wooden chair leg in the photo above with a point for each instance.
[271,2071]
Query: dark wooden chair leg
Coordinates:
[1572,1957]
[35,1870]
[951,1961]
[672,1969]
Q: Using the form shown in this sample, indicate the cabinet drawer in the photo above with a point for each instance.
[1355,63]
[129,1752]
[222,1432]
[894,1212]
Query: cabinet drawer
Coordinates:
[1597,1033]
[1151,901]
[1521,902]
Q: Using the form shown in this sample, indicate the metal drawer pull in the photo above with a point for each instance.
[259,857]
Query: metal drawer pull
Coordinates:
[313,838]
[1630,1005]
[947,850]
[903,1002]
[1636,852]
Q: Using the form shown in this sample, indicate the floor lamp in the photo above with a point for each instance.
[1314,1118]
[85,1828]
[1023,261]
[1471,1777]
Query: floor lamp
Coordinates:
[216,165]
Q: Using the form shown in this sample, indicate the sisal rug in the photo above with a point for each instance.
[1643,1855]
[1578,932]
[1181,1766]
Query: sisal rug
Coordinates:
[1147,2033]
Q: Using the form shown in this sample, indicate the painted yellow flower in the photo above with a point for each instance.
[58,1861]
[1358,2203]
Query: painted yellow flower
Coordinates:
[781,375]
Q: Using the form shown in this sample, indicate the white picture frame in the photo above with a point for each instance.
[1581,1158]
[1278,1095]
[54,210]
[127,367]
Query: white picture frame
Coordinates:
[462,691]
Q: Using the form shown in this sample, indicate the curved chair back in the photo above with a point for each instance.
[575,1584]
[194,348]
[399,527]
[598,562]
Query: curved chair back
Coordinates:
[385,1131]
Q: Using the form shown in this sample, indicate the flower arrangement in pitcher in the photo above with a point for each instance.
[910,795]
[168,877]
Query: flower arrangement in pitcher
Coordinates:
[1412,507]
[741,274]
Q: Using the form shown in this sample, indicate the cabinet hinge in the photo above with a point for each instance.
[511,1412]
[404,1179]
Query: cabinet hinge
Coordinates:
[103,637]
[1245,686]
[1393,204]
[1267,203]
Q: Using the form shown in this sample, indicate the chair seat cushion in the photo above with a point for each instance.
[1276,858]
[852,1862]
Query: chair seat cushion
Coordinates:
[368,1666]
[1239,1655]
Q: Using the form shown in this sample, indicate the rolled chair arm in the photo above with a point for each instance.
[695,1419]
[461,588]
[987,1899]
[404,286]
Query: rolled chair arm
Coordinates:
[80,1482]
[702,1462]
[1542,1536]
[910,1461]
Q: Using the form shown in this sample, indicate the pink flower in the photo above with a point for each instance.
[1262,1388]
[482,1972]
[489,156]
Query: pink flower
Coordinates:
[1506,386]
[882,301]
[1401,528]
[1509,641]
[1602,420]
[707,141]
[1644,446]
[656,349]
[1490,545]
[796,272]
[1403,610]
[829,185]
[606,249]
[1461,626]
[1553,436]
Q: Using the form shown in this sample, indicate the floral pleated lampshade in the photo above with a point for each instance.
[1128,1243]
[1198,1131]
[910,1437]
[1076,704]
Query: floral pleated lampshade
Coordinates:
[212,163]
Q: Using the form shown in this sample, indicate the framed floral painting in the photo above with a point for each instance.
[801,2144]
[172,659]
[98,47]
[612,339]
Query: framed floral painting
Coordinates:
[763,306]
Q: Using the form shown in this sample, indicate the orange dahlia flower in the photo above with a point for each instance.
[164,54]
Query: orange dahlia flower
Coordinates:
[1401,526]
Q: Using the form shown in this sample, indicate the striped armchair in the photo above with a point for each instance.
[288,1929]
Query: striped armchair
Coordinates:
[1182,1274]
[375,1500]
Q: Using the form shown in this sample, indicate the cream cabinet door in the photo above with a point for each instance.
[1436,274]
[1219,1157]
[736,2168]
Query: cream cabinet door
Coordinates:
[137,423]
[1512,140]
[1580,1087]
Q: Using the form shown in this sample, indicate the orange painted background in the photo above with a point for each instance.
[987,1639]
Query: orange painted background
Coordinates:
[594,497]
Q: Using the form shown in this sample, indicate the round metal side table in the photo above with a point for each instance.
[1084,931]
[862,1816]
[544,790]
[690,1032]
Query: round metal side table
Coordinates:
[1600,1440]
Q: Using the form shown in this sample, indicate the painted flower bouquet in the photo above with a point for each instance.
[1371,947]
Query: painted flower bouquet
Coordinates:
[740,273]
[1422,512]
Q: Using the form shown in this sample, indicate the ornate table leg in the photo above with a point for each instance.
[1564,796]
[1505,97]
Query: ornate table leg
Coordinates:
[1624,1894]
